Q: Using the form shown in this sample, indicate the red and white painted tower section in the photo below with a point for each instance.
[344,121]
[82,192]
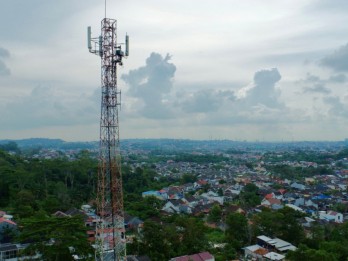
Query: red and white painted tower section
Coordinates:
[110,230]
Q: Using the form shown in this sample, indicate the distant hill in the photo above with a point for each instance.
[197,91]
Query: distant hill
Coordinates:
[185,145]
[51,144]
[224,145]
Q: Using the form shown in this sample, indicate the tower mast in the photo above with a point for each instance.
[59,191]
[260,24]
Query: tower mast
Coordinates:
[110,230]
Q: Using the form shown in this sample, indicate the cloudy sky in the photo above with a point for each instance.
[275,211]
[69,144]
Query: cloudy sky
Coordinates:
[226,69]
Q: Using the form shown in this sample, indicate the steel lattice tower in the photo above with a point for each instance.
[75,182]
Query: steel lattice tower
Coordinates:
[110,230]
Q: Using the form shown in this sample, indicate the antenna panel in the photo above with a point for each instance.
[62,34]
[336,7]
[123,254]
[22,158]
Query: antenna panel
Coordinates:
[89,37]
[127,45]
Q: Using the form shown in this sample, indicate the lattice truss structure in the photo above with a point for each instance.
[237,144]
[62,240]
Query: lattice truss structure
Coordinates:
[110,230]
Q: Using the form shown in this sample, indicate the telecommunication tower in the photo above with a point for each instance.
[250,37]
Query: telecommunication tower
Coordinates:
[110,230]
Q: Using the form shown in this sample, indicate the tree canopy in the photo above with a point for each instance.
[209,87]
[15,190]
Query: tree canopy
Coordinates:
[56,238]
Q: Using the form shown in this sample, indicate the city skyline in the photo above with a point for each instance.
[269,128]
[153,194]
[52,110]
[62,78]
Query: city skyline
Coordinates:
[233,70]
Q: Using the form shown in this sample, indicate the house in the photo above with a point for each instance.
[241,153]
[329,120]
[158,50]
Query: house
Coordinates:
[255,251]
[331,216]
[89,217]
[294,207]
[309,180]
[212,196]
[278,195]
[274,256]
[299,202]
[138,258]
[272,203]
[342,187]
[156,194]
[298,186]
[188,187]
[74,212]
[60,214]
[310,203]
[270,195]
[202,209]
[185,209]
[131,222]
[6,224]
[275,244]
[231,193]
[9,252]
[200,183]
[177,206]
[307,222]
[163,194]
[171,207]
[2,213]
[321,187]
[175,192]
[204,256]
[87,208]
[233,209]
[321,197]
[191,201]
[282,191]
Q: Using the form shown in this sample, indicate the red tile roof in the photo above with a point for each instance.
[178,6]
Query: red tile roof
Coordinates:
[273,201]
[196,257]
[269,196]
[282,191]
[7,221]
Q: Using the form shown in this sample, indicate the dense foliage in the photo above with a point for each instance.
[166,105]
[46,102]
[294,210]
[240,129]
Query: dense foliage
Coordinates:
[56,238]
[27,186]
[179,235]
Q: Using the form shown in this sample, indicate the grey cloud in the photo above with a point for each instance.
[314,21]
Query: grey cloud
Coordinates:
[4,70]
[152,86]
[267,77]
[294,57]
[338,78]
[36,18]
[336,107]
[151,83]
[4,53]
[206,101]
[310,78]
[317,88]
[263,91]
[328,6]
[338,60]
[314,84]
[257,103]
[45,106]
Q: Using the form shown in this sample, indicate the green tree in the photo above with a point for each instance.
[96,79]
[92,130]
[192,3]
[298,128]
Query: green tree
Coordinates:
[317,236]
[154,243]
[282,223]
[188,178]
[304,253]
[10,146]
[237,232]
[290,228]
[338,249]
[215,214]
[249,196]
[56,238]
[192,233]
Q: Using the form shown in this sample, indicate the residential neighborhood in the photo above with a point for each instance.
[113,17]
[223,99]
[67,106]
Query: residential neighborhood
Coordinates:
[213,189]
